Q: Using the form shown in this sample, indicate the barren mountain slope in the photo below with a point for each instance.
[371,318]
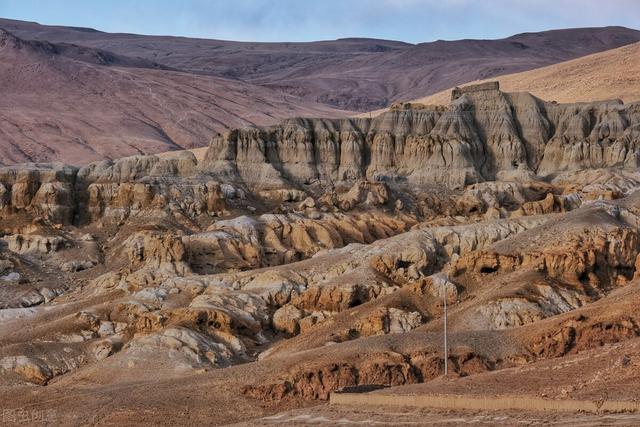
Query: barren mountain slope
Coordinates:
[352,74]
[613,74]
[77,104]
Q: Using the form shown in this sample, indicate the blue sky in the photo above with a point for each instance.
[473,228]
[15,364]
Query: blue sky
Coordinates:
[305,20]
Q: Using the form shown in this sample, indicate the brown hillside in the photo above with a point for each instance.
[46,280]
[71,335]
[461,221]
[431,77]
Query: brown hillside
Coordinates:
[353,74]
[605,75]
[77,105]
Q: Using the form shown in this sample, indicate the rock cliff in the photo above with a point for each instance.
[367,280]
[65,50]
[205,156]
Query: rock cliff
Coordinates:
[483,135]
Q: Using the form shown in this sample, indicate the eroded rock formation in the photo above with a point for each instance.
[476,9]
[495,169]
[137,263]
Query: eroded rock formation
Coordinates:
[322,252]
[483,135]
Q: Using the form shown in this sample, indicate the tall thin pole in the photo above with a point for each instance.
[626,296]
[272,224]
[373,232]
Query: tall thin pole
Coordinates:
[446,348]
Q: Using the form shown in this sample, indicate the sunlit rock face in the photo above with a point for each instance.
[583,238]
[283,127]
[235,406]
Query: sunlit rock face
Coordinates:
[483,135]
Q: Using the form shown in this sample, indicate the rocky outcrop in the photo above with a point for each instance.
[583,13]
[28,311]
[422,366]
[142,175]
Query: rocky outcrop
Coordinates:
[377,370]
[483,135]
[337,280]
[593,249]
[275,239]
[24,243]
[388,321]
[156,251]
[565,264]
[32,370]
[125,187]
[38,190]
[324,251]
[580,333]
[195,349]
[110,190]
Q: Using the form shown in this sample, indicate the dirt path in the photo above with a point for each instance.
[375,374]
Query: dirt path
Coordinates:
[330,415]
[501,403]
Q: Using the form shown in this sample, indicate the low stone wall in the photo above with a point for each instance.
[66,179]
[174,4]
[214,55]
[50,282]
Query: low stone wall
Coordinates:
[505,403]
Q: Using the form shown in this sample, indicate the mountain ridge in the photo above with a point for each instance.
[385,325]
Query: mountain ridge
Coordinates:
[612,74]
[352,73]
[70,104]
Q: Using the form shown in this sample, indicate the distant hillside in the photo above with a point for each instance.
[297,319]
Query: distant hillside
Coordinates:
[606,75]
[77,104]
[352,74]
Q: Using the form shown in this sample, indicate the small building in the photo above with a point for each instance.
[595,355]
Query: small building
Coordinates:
[457,92]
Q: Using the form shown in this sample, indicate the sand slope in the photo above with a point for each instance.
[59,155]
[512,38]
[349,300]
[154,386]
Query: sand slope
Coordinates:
[606,75]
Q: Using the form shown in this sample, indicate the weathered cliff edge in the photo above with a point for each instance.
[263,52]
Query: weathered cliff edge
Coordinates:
[483,135]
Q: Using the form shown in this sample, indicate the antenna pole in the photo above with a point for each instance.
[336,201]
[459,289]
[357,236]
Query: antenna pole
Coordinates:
[446,348]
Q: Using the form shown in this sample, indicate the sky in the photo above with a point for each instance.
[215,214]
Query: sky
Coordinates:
[306,20]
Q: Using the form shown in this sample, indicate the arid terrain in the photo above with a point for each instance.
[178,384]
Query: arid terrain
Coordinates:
[349,74]
[77,104]
[247,281]
[211,232]
[613,74]
[78,95]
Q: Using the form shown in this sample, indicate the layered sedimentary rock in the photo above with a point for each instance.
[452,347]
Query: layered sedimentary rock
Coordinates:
[112,190]
[39,190]
[485,134]
[275,239]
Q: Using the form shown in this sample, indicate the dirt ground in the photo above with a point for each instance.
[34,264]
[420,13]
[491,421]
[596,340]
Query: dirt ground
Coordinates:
[349,415]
